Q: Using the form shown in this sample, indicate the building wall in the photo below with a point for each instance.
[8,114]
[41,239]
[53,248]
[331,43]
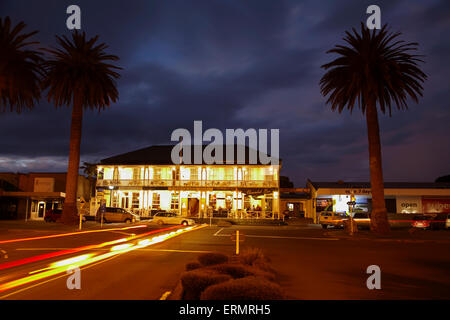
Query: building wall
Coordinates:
[25,182]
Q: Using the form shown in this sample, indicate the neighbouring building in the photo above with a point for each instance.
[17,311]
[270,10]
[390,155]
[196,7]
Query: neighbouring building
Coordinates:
[400,197]
[146,180]
[29,195]
[295,202]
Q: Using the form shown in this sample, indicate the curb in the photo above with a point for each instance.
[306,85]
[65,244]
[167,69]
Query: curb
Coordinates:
[177,292]
[394,240]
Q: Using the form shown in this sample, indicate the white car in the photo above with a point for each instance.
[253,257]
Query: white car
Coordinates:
[171,218]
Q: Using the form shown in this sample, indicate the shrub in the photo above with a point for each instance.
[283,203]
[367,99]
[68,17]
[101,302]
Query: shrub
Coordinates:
[192,266]
[249,288]
[252,255]
[212,258]
[234,270]
[194,282]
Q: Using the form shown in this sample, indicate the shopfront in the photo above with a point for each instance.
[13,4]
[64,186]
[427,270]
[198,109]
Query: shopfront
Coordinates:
[400,198]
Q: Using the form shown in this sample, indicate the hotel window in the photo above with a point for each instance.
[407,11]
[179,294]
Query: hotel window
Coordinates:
[135,202]
[185,173]
[174,202]
[115,199]
[156,200]
[125,200]
[212,200]
[194,175]
[229,174]
[136,174]
[157,174]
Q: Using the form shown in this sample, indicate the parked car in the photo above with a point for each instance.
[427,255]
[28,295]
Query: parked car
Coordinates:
[54,215]
[171,218]
[117,215]
[335,219]
[430,221]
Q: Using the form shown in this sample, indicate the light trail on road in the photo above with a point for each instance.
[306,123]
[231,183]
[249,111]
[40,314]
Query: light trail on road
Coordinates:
[16,263]
[71,234]
[80,261]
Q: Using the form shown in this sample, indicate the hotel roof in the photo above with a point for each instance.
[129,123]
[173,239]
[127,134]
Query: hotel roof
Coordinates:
[161,155]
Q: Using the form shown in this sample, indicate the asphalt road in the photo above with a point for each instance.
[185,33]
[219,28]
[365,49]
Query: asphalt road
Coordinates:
[312,264]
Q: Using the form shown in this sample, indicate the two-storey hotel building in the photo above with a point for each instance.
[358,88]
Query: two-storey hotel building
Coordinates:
[145,181]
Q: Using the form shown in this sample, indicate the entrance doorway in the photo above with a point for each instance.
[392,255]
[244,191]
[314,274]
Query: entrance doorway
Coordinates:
[193,207]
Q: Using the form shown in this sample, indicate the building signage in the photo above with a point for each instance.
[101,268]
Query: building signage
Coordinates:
[436,205]
[358,191]
[44,184]
[409,205]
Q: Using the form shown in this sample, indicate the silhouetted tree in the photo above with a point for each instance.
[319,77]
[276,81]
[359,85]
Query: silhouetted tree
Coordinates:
[20,68]
[443,179]
[375,69]
[79,74]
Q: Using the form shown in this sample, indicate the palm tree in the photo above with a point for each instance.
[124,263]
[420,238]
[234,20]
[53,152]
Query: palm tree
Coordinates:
[20,68]
[90,169]
[375,69]
[79,74]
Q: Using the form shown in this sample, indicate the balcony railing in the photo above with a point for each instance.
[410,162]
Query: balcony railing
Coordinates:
[189,183]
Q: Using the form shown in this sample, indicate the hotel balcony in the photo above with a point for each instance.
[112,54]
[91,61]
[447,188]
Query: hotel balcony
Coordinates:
[189,183]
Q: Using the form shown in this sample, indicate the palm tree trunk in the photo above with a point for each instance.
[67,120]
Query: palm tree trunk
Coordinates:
[379,222]
[70,211]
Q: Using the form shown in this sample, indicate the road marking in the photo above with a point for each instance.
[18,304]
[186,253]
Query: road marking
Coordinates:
[174,250]
[165,295]
[276,237]
[297,238]
[71,234]
[125,233]
[56,278]
[168,250]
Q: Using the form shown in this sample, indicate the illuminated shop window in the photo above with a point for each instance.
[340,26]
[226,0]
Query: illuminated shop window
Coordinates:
[175,201]
[156,200]
[135,202]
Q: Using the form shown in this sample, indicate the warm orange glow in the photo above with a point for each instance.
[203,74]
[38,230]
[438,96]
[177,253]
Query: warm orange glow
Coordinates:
[80,261]
[71,234]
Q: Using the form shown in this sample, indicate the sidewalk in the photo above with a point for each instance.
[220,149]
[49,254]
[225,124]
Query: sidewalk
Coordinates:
[403,235]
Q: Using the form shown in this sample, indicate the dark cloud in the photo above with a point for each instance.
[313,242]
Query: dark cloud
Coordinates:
[238,64]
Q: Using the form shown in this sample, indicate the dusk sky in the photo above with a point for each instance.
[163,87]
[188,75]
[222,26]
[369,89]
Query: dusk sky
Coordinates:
[238,64]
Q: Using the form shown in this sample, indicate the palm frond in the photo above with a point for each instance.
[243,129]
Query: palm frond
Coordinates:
[80,67]
[375,65]
[20,68]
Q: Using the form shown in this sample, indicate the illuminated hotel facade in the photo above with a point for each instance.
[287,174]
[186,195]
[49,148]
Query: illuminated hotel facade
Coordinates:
[145,181]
